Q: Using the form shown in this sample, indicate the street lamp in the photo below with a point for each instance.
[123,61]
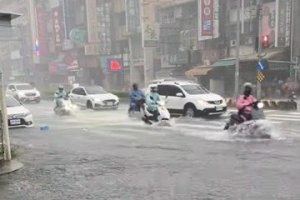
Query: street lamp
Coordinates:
[5,20]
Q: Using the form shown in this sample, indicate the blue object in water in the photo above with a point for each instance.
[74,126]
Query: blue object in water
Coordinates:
[44,128]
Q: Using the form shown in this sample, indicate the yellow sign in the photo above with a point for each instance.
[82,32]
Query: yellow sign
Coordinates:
[260,77]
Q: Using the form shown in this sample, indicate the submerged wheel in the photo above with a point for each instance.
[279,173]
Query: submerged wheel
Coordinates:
[190,111]
[89,105]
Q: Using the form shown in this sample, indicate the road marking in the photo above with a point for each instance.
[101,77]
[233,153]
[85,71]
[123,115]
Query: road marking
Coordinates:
[285,116]
[282,119]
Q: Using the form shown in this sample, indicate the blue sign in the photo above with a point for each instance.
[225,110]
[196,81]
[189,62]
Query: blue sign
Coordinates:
[261,65]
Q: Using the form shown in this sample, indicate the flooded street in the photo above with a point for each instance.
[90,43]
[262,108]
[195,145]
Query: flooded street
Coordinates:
[105,155]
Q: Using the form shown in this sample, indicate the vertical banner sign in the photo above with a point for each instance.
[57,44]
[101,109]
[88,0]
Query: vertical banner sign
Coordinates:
[91,10]
[58,30]
[104,26]
[283,21]
[41,30]
[269,21]
[207,17]
[132,15]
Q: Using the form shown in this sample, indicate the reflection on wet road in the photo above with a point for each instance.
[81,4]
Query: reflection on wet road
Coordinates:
[106,155]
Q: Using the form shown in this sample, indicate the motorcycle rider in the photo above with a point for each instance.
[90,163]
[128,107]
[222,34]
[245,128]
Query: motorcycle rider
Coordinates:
[151,100]
[244,105]
[136,95]
[59,95]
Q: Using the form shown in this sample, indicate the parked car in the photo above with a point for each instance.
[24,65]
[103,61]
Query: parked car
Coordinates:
[18,115]
[93,97]
[190,99]
[23,92]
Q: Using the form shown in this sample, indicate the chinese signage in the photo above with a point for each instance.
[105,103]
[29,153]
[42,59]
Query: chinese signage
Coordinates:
[269,21]
[150,35]
[114,64]
[58,30]
[91,10]
[132,15]
[283,33]
[208,22]
[41,30]
[104,26]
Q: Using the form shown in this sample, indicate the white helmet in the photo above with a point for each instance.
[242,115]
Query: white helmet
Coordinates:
[247,85]
[153,87]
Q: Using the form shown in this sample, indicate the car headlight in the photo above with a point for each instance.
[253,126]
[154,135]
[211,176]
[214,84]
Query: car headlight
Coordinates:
[202,102]
[96,100]
[27,114]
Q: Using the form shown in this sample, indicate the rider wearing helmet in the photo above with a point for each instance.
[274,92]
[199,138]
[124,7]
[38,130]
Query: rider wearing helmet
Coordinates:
[151,101]
[59,95]
[244,104]
[136,95]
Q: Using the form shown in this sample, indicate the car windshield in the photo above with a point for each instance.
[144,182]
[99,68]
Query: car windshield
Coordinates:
[11,102]
[195,89]
[95,90]
[24,87]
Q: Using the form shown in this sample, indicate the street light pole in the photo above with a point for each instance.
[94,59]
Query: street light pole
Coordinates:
[5,19]
[259,50]
[237,49]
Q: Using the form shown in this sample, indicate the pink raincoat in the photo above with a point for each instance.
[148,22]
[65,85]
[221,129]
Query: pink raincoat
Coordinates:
[243,103]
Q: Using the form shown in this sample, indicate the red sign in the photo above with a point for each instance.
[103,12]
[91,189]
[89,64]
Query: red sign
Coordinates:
[207,17]
[41,30]
[114,64]
[58,30]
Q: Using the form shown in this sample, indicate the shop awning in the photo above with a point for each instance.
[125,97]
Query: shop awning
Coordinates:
[198,71]
[224,63]
[244,58]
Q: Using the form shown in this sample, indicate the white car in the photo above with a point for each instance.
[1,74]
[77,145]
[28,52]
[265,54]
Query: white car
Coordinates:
[23,92]
[190,99]
[93,97]
[18,115]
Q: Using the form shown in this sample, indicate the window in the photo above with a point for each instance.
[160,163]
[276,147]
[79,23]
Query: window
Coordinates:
[24,87]
[168,90]
[95,90]
[79,91]
[11,102]
[11,87]
[122,19]
[195,89]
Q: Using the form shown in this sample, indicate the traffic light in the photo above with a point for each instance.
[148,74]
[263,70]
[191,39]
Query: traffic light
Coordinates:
[265,40]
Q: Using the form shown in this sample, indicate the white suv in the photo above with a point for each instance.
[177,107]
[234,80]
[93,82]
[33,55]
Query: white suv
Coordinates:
[23,92]
[190,99]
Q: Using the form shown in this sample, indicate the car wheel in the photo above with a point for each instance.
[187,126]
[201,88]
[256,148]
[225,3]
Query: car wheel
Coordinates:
[38,101]
[190,111]
[89,105]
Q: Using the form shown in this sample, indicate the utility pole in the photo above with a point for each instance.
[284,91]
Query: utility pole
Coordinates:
[259,50]
[237,49]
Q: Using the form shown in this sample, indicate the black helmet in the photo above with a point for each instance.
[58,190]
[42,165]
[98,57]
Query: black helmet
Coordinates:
[135,86]
[247,88]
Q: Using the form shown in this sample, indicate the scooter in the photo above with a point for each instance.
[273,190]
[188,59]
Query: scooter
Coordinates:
[163,118]
[65,107]
[256,128]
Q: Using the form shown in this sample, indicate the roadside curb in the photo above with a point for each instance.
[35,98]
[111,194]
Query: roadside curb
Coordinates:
[270,104]
[10,167]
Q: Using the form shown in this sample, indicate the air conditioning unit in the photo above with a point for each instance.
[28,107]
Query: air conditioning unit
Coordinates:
[232,43]
[249,41]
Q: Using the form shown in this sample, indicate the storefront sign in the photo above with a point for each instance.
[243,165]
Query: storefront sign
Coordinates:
[58,30]
[208,22]
[104,26]
[41,30]
[132,15]
[269,21]
[91,13]
[114,64]
[283,21]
